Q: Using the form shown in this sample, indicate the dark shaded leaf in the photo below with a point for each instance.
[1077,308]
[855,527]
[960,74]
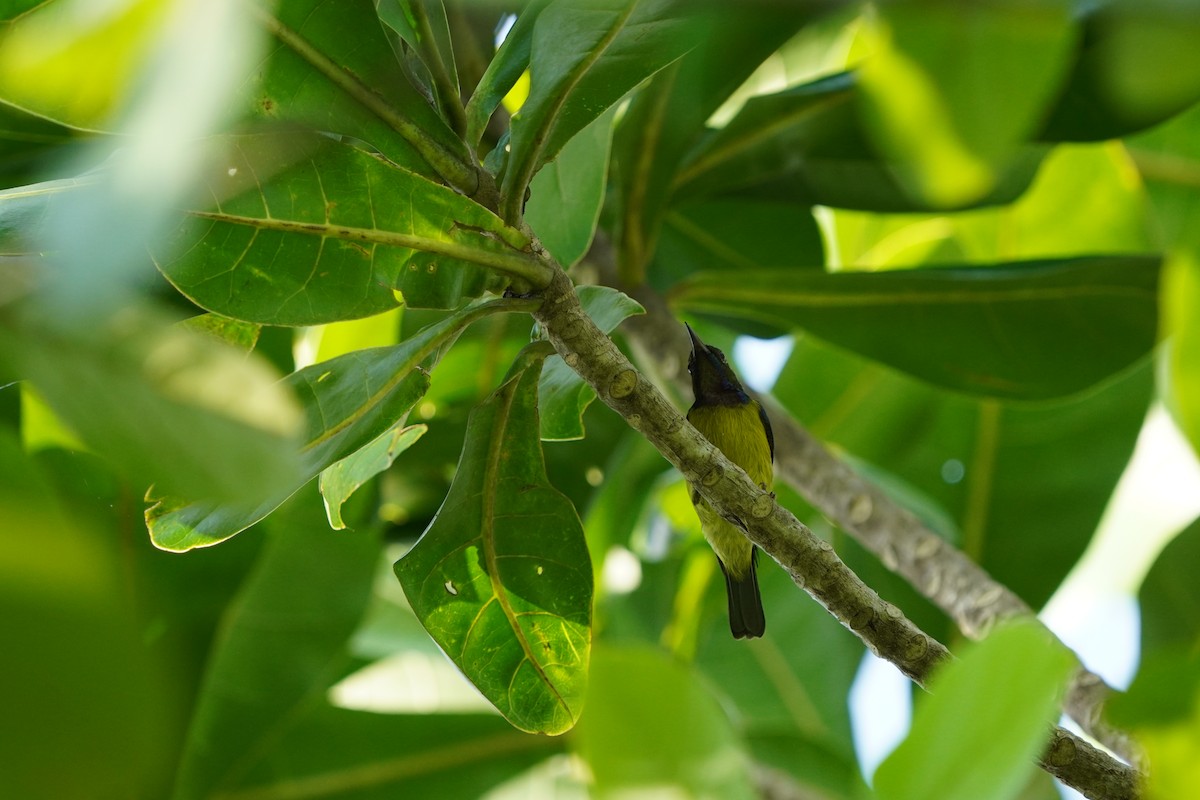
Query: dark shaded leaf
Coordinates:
[1028,330]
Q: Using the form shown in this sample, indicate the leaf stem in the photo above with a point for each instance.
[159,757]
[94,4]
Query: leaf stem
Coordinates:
[517,264]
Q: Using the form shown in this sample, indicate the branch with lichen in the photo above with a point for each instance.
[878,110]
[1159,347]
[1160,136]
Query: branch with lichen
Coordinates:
[944,575]
[810,561]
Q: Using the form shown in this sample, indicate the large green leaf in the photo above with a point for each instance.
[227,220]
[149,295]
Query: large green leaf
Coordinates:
[334,70]
[1031,330]
[562,394]
[306,229]
[923,82]
[1025,485]
[969,738]
[503,71]
[808,144]
[790,687]
[667,115]
[566,195]
[651,723]
[501,579]
[336,753]
[586,54]
[349,401]
[1136,67]
[282,644]
[166,405]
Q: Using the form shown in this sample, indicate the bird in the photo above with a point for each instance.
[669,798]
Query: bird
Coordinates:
[737,425]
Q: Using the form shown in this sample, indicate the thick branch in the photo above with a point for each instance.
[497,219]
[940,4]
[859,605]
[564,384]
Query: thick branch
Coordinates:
[958,586]
[810,561]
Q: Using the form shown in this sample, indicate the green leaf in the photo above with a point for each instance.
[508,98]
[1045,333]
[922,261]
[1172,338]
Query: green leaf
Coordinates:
[1025,484]
[503,71]
[789,689]
[1136,67]
[282,644]
[562,394]
[922,86]
[164,404]
[968,737]
[1181,322]
[502,579]
[566,195]
[1169,598]
[336,753]
[425,51]
[651,722]
[587,54]
[668,114]
[808,144]
[342,479]
[1026,330]
[242,335]
[349,402]
[306,229]
[334,70]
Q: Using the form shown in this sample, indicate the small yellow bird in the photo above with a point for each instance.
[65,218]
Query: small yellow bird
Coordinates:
[738,426]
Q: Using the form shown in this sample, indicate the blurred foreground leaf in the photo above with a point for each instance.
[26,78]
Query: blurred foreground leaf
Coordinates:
[968,738]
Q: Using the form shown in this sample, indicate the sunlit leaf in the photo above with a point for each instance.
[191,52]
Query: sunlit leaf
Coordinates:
[502,579]
[348,401]
[968,738]
[588,54]
[342,479]
[922,88]
[566,195]
[1027,330]
[503,71]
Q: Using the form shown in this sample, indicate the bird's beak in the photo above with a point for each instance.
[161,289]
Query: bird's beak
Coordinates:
[697,345]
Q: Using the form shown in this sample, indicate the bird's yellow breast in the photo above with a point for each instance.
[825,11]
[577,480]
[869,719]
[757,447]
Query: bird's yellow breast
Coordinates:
[738,432]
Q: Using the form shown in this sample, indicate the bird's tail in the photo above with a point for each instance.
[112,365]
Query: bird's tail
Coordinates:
[746,618]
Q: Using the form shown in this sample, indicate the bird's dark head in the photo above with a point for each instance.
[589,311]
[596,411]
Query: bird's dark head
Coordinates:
[713,380]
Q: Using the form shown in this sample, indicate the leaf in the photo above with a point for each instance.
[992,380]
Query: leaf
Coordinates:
[1181,305]
[968,737]
[566,195]
[563,396]
[1025,484]
[282,644]
[242,335]
[1169,599]
[586,55]
[337,753]
[342,479]
[334,70]
[305,229]
[348,402]
[922,84]
[651,722]
[503,71]
[1135,68]
[1025,330]
[425,51]
[668,114]
[502,579]
[808,144]
[166,405]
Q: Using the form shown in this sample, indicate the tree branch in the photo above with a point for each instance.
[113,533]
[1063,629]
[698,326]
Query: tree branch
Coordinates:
[811,562]
[958,586]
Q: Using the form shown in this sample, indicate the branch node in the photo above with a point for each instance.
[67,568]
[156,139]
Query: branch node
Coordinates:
[623,384]
[861,508]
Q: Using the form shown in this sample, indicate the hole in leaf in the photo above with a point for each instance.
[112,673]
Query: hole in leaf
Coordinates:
[450,588]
